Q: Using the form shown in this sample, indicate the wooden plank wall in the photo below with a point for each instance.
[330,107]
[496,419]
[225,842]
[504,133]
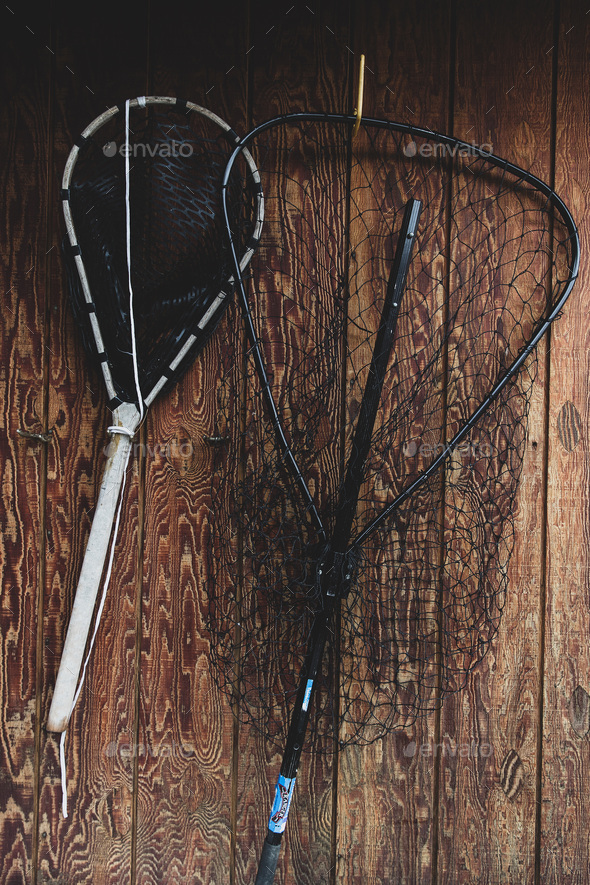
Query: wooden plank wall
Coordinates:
[163,788]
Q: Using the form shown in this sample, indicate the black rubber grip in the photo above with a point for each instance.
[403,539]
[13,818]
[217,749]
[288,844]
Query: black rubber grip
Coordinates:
[268,863]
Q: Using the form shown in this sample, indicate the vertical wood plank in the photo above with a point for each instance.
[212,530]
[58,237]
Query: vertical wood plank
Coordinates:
[385,790]
[185,724]
[24,122]
[300,61]
[502,96]
[564,847]
[97,66]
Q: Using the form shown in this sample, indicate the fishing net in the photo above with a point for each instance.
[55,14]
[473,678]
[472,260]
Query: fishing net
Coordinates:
[421,578]
[150,273]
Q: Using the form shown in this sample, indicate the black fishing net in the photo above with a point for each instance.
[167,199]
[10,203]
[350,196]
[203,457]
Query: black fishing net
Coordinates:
[179,254]
[429,549]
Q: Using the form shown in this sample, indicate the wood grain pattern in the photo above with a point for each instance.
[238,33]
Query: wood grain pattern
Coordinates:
[184,725]
[579,711]
[564,846]
[185,775]
[569,426]
[158,774]
[483,836]
[95,842]
[386,790]
[24,122]
[316,36]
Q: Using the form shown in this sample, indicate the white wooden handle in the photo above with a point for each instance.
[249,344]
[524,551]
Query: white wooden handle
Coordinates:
[125,416]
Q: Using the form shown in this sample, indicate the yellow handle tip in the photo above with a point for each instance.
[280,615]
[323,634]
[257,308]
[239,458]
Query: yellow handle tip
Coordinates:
[359,96]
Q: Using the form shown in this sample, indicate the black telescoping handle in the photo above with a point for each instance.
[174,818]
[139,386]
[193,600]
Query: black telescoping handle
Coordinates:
[294,745]
[330,577]
[372,394]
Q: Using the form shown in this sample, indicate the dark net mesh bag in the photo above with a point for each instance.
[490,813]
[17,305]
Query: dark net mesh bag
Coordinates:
[423,571]
[179,253]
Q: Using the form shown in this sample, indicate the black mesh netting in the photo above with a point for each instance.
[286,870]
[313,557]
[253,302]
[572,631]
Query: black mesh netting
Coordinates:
[179,255]
[491,260]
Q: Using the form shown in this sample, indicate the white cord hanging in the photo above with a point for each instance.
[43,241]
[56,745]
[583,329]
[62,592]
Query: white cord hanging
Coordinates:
[113,429]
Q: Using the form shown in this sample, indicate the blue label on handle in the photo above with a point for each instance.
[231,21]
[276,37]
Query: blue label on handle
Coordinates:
[281,805]
[308,689]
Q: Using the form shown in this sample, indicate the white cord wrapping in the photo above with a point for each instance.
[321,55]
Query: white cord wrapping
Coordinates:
[117,429]
[112,429]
